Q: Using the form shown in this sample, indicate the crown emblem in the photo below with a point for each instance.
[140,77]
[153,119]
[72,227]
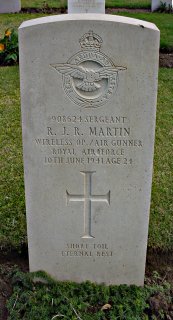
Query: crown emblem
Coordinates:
[89,76]
[90,41]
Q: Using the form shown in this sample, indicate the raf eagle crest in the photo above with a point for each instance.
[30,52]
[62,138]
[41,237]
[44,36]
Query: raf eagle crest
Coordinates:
[89,77]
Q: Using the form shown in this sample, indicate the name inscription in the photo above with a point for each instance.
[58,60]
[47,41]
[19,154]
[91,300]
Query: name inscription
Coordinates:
[99,140]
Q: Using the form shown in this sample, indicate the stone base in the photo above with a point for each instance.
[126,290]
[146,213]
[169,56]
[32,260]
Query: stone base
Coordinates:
[10,6]
[157,3]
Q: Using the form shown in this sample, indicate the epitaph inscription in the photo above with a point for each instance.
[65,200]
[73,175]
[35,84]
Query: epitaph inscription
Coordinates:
[87,250]
[89,77]
[87,198]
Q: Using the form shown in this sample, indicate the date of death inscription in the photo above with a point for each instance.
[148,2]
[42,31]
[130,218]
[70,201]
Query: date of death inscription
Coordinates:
[87,140]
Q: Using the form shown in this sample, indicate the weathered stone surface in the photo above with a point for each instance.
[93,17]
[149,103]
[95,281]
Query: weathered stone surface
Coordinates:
[86,6]
[10,6]
[88,114]
[155,4]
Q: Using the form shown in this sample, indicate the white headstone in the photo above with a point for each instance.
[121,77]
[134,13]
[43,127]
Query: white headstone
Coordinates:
[155,4]
[88,115]
[10,6]
[86,6]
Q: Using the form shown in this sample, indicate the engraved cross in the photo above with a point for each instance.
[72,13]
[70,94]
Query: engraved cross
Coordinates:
[87,198]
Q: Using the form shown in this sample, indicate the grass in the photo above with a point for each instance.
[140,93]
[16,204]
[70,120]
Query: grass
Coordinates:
[12,213]
[128,3]
[86,301]
[15,20]
[161,222]
[109,3]
[163,21]
[41,3]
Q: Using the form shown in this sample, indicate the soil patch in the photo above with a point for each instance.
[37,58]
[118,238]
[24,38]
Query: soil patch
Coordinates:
[132,10]
[166,60]
[47,10]
[7,263]
[162,262]
[159,261]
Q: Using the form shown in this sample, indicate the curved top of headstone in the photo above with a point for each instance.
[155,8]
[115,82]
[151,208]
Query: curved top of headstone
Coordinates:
[88,17]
